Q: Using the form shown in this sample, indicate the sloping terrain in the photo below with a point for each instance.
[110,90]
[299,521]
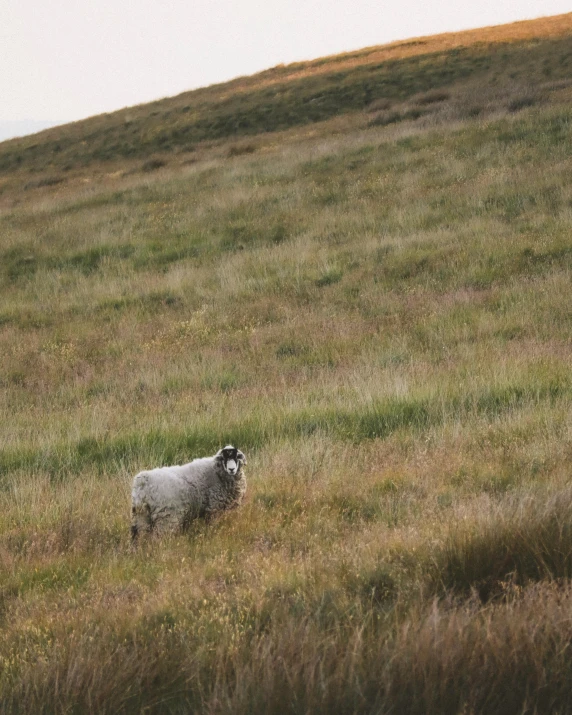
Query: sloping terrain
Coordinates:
[525,54]
[371,297]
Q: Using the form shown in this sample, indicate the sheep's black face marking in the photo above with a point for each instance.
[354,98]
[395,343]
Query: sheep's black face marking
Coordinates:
[232,460]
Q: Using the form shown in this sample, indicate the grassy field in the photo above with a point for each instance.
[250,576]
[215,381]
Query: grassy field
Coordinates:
[399,81]
[376,308]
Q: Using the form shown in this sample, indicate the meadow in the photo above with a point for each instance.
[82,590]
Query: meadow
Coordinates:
[375,306]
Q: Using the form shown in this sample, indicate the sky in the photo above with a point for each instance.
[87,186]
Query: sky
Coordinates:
[64,60]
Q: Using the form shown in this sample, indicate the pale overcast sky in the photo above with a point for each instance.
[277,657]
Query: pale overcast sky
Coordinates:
[69,59]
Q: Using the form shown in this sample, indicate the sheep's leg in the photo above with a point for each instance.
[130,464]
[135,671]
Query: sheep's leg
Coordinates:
[211,516]
[168,523]
[140,522]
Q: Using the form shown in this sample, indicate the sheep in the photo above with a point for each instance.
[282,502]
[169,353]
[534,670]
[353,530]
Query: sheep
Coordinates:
[168,498]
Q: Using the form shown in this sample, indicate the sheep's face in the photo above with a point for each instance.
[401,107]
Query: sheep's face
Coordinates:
[232,460]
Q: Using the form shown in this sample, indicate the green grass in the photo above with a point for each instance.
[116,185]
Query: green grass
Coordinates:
[377,312]
[516,63]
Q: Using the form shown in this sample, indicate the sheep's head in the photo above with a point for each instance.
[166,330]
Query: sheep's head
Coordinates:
[232,460]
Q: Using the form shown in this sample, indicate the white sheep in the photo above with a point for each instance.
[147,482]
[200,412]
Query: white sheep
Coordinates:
[168,498]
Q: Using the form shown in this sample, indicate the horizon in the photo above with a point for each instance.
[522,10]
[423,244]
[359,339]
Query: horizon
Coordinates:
[163,66]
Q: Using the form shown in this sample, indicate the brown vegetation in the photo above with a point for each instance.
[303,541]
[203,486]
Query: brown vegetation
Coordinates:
[379,314]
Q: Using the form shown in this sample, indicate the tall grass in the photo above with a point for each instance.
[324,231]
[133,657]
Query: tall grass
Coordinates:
[378,313]
[514,63]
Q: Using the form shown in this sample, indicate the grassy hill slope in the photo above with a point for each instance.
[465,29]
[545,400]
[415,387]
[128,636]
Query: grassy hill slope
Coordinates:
[524,54]
[376,308]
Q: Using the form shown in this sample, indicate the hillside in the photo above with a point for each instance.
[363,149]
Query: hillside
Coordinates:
[369,294]
[517,58]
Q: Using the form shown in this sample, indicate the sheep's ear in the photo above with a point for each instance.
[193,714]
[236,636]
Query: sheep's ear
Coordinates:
[241,456]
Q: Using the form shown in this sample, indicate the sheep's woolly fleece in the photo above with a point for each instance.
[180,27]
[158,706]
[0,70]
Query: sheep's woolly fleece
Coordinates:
[168,498]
